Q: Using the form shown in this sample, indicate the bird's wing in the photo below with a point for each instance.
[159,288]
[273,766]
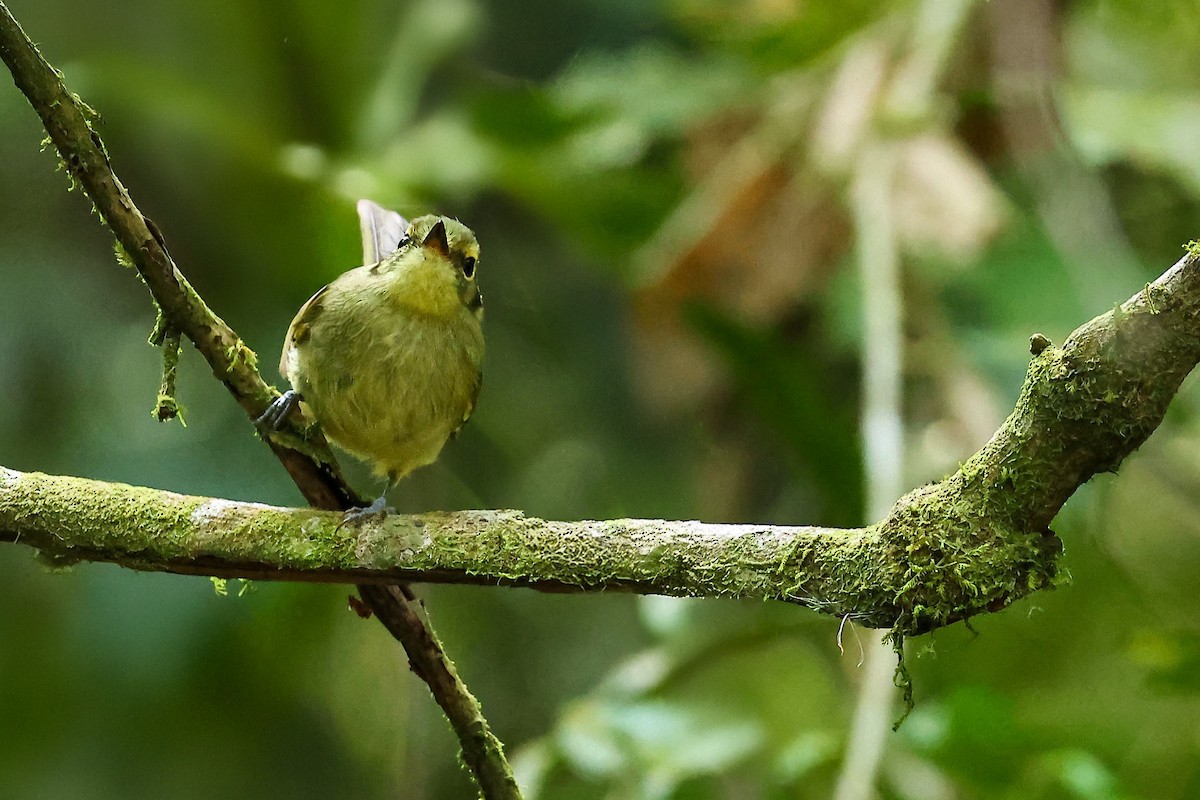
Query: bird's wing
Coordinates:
[382,231]
[298,330]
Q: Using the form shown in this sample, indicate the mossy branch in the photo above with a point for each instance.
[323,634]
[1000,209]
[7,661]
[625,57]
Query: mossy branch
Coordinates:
[76,519]
[972,543]
[68,121]
[69,124]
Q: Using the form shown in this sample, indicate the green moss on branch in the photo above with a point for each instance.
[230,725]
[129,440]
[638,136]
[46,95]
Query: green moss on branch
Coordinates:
[972,543]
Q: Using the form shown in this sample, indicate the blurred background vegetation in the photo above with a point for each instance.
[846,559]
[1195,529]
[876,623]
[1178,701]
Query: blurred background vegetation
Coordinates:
[666,198]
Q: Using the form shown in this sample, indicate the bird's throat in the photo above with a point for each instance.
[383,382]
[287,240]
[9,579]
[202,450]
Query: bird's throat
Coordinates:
[424,283]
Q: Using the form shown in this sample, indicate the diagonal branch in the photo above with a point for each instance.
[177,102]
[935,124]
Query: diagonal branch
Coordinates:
[68,122]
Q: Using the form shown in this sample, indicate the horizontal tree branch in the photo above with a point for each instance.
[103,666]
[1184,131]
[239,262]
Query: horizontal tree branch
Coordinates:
[972,543]
[77,519]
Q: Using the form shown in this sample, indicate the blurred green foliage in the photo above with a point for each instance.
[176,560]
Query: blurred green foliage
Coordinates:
[663,195]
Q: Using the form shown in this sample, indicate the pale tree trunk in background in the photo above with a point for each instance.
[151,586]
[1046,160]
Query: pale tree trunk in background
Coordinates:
[883,441]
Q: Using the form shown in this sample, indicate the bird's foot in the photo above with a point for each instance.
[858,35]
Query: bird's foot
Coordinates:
[377,511]
[275,417]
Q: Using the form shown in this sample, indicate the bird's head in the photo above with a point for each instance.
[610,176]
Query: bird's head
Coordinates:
[435,267]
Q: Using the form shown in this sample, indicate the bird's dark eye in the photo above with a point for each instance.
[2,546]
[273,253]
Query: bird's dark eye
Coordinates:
[469,266]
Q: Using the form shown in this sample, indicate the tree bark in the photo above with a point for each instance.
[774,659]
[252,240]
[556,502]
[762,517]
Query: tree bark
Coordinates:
[972,543]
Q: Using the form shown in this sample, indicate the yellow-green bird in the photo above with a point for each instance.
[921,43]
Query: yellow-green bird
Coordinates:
[388,358]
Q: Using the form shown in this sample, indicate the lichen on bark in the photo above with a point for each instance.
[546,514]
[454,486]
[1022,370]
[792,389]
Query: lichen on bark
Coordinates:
[972,543]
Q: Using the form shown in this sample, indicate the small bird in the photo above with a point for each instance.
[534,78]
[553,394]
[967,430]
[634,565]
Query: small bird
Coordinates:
[388,357]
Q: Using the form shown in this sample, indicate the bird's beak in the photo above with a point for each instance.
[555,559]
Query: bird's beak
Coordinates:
[436,239]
